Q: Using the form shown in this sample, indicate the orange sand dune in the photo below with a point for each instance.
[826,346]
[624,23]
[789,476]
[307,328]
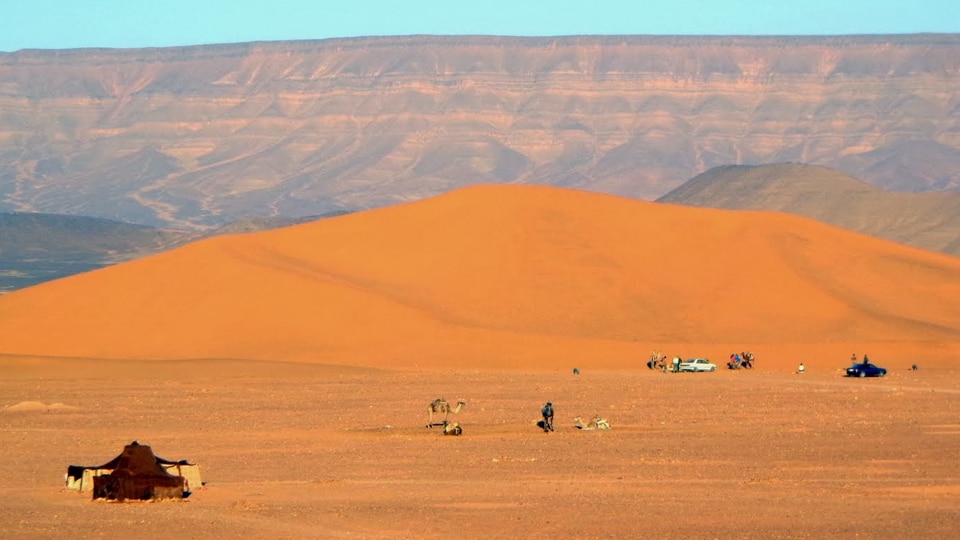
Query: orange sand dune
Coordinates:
[509,277]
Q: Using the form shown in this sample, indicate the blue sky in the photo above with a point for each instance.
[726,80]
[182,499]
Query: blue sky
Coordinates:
[65,24]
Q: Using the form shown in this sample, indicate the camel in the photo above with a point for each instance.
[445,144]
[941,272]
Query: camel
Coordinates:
[452,428]
[657,361]
[440,405]
[597,422]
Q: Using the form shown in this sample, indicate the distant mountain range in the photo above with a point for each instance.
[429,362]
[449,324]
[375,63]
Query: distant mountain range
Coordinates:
[194,138]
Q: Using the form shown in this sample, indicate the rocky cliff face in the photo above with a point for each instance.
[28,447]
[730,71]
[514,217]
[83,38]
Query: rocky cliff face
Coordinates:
[199,136]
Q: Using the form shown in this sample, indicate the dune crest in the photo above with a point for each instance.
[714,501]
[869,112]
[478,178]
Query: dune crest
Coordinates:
[33,406]
[503,276]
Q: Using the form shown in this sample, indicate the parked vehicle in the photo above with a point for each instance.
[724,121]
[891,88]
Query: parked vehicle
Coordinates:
[865,370]
[697,364]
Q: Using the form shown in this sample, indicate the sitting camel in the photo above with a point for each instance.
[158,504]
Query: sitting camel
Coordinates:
[452,428]
[440,405]
[597,422]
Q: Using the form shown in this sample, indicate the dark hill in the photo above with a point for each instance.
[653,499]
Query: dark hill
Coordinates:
[926,220]
[36,247]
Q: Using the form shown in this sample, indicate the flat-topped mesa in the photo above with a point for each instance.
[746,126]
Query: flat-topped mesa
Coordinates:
[200,136]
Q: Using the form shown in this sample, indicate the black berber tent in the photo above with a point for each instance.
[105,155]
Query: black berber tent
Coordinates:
[137,476]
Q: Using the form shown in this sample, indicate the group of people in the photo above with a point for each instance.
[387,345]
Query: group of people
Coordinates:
[658,360]
[740,360]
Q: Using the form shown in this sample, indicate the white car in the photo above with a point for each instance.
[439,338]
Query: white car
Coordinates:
[697,364]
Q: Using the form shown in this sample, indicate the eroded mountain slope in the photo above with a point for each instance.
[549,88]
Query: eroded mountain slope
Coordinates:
[201,136]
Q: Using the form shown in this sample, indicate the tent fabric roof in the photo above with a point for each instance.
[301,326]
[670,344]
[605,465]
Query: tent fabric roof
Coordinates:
[76,471]
[138,459]
[113,463]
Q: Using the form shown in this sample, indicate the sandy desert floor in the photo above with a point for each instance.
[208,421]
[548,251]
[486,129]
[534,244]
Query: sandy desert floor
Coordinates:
[306,451]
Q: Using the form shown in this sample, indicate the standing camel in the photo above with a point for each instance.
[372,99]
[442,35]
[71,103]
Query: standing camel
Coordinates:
[440,405]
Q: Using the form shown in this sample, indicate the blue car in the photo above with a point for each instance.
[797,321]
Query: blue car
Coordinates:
[865,370]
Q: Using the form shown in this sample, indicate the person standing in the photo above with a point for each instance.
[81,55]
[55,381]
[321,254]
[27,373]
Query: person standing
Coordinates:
[547,412]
